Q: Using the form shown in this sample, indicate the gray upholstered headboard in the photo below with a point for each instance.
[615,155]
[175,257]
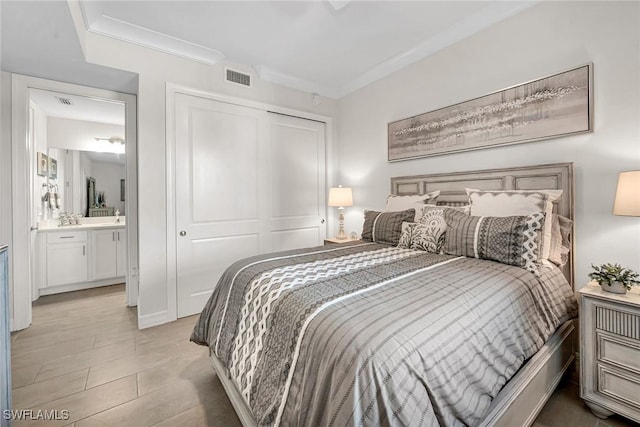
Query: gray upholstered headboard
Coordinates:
[557,176]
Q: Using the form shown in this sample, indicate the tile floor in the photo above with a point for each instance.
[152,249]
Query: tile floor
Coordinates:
[83,353]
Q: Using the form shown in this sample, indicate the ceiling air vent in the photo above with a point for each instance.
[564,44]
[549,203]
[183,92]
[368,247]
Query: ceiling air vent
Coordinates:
[64,101]
[238,78]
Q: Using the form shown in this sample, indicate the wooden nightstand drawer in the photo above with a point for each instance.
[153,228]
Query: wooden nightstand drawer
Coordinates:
[619,386]
[619,351]
[618,321]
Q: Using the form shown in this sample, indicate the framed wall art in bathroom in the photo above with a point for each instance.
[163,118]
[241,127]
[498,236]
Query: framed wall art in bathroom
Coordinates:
[53,168]
[43,164]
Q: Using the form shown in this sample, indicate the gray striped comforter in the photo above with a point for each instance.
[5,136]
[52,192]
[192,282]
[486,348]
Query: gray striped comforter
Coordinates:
[369,334]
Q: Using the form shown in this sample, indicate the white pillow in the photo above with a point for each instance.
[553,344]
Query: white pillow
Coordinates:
[402,203]
[516,202]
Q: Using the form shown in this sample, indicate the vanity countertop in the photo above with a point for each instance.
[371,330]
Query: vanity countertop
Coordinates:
[90,224]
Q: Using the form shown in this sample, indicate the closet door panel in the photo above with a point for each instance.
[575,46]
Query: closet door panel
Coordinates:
[220,186]
[297,176]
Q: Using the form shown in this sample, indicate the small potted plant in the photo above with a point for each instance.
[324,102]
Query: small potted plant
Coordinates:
[614,278]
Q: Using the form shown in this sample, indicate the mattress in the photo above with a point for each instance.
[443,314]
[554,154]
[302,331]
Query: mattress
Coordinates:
[370,334]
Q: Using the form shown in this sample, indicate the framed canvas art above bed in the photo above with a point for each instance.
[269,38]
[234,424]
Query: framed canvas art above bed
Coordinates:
[557,105]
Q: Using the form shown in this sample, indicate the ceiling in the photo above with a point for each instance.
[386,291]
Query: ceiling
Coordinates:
[81,108]
[331,48]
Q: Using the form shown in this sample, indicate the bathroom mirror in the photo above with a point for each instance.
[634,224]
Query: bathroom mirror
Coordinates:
[83,175]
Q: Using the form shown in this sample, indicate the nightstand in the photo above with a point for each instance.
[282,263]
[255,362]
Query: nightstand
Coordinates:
[336,241]
[610,351]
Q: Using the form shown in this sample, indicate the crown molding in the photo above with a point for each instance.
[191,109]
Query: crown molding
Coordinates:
[273,76]
[98,23]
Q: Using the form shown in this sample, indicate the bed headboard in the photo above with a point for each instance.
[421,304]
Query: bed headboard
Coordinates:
[556,176]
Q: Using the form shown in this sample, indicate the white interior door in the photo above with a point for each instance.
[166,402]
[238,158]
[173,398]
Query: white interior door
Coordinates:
[221,186]
[297,175]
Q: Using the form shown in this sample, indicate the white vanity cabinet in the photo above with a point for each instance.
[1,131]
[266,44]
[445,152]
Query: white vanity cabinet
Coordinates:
[80,257]
[103,254]
[121,252]
[66,258]
[108,253]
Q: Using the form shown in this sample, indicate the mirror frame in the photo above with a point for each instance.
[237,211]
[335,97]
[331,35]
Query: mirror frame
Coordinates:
[91,194]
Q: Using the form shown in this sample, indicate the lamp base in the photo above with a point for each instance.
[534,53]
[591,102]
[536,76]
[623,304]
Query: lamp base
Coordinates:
[341,234]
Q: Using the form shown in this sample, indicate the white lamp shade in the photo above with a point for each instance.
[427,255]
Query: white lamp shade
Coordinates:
[628,194]
[340,197]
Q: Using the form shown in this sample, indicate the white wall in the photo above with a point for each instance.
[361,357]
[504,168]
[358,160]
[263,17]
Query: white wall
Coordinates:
[40,145]
[5,172]
[155,70]
[108,176]
[548,38]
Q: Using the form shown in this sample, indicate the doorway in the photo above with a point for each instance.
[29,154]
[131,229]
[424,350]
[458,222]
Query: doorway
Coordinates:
[74,191]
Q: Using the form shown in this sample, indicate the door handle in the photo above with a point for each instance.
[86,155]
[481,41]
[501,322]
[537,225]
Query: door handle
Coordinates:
[113,236]
[322,221]
[183,233]
[84,249]
[118,236]
[34,228]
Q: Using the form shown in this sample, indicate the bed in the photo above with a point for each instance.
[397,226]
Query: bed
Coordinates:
[372,334]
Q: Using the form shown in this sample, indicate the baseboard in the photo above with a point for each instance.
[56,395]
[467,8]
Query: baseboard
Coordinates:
[153,319]
[80,286]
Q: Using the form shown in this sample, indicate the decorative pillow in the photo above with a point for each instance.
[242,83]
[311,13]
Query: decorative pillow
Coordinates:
[560,240]
[421,237]
[385,227]
[433,229]
[516,202]
[512,240]
[401,203]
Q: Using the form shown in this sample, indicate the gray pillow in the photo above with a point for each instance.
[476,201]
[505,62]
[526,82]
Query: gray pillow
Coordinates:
[385,227]
[512,240]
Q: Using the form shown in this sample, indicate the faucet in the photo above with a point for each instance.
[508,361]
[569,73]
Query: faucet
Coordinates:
[117,215]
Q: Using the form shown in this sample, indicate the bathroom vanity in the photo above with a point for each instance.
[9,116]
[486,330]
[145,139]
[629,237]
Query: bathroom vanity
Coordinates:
[74,257]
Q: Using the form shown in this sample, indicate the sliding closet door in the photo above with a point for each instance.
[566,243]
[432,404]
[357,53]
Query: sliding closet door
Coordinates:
[221,189]
[297,175]
[247,182]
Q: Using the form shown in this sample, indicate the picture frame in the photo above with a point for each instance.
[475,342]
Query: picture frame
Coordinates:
[43,164]
[557,105]
[53,168]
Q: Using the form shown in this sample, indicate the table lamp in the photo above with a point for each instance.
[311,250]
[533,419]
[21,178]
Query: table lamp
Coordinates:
[627,200]
[340,197]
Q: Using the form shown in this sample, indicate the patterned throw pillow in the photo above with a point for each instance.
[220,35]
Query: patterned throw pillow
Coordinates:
[385,227]
[512,240]
[560,240]
[401,203]
[421,237]
[517,202]
[433,228]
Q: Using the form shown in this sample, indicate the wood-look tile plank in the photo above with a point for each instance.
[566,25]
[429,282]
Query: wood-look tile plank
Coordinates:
[88,402]
[51,352]
[185,367]
[133,363]
[155,407]
[41,392]
[86,359]
[217,412]
[21,376]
